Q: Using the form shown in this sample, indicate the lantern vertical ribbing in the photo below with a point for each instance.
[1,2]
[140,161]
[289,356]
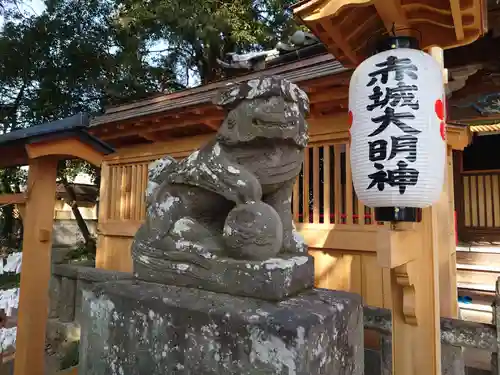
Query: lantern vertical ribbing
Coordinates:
[396,102]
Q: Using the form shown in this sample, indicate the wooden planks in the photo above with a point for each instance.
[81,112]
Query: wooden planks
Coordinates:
[326,184]
[481,199]
[305,187]
[477,271]
[18,198]
[316,185]
[37,244]
[352,272]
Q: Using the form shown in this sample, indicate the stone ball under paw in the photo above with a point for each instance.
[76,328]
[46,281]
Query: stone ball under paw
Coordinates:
[253,231]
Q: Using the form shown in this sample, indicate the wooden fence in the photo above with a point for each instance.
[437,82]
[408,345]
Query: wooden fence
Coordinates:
[479,218]
[324,192]
[340,230]
[323,202]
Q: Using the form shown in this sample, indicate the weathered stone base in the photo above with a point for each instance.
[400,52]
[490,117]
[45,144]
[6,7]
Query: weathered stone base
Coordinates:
[137,328]
[273,279]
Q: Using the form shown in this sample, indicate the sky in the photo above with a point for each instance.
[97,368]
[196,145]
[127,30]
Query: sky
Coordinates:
[31,7]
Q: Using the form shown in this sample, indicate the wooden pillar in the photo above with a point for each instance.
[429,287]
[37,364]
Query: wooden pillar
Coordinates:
[443,216]
[458,190]
[413,265]
[36,267]
[423,278]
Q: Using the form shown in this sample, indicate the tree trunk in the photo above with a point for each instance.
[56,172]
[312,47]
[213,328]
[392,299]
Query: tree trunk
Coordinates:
[82,225]
[8,210]
[97,182]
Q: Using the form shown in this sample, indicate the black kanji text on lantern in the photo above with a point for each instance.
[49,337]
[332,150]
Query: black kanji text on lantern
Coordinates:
[391,117]
[396,103]
[404,144]
[393,64]
[401,177]
[378,149]
[401,96]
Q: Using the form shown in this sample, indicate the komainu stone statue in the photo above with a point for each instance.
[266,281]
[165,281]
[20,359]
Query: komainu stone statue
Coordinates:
[221,218]
[223,284]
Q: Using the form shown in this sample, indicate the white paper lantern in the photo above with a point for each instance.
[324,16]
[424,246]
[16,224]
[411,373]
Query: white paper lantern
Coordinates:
[398,145]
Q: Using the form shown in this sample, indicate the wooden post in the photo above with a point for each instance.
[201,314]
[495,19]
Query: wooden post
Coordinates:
[444,244]
[36,267]
[443,215]
[495,365]
[423,278]
[416,347]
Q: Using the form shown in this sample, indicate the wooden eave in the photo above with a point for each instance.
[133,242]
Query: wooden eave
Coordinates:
[191,112]
[349,28]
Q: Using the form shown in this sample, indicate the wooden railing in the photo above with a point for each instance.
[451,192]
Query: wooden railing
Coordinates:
[480,216]
[339,229]
[128,182]
[323,193]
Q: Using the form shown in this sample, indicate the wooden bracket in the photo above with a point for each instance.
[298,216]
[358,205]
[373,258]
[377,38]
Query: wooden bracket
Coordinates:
[405,280]
[402,248]
[397,244]
[44,235]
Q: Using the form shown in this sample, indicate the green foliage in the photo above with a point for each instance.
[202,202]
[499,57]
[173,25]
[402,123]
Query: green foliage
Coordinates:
[86,55]
[69,59]
[10,280]
[81,252]
[73,57]
[200,31]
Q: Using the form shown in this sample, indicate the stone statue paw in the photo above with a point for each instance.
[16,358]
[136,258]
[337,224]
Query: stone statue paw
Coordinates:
[253,231]
[296,245]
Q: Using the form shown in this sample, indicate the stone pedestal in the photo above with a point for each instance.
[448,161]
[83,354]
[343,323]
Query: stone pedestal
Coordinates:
[137,328]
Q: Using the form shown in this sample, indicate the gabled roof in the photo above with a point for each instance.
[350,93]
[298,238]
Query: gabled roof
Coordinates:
[191,112]
[13,144]
[299,71]
[84,192]
[350,28]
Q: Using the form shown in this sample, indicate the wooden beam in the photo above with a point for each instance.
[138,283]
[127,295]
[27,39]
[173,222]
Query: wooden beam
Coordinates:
[306,6]
[18,198]
[335,34]
[329,95]
[68,371]
[456,13]
[104,212]
[324,83]
[65,147]
[135,130]
[329,236]
[213,124]
[37,246]
[391,14]
[119,228]
[175,148]
[339,237]
[152,136]
[458,137]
